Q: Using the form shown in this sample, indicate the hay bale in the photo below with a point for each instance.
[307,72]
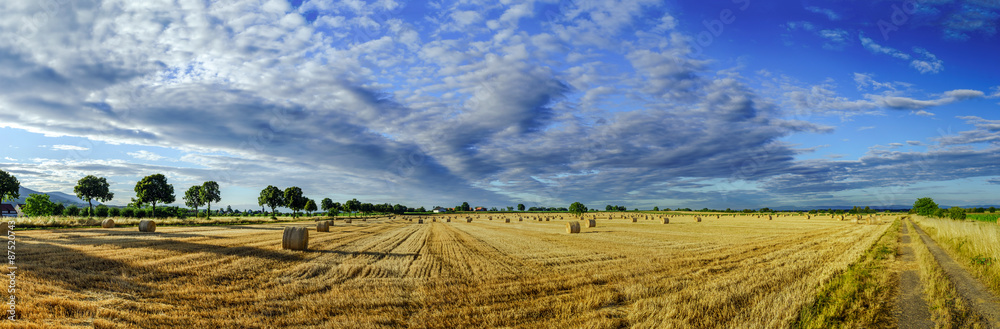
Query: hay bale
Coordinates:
[147,226]
[420,221]
[434,220]
[108,223]
[697,219]
[506,220]
[633,219]
[468,219]
[769,217]
[347,221]
[323,226]
[665,220]
[573,227]
[448,220]
[295,238]
[591,223]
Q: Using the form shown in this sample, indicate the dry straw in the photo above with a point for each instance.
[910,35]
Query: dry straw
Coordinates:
[295,238]
[506,220]
[591,223]
[323,226]
[572,227]
[665,220]
[147,226]
[420,221]
[108,223]
[347,221]
[697,219]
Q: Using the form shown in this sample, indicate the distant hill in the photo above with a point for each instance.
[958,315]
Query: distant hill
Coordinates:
[57,197]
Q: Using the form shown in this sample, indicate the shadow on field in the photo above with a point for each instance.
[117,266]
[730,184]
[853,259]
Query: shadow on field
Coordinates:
[364,253]
[79,271]
[139,241]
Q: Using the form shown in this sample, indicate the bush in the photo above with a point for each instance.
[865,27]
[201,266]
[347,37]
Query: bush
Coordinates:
[102,211]
[71,211]
[956,213]
[114,212]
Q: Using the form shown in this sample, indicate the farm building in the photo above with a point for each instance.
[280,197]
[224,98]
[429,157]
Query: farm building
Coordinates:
[11,210]
[439,210]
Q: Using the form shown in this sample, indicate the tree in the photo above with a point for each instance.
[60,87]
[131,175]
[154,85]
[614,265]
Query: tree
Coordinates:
[294,199]
[192,198]
[925,207]
[656,208]
[210,193]
[154,188]
[39,205]
[956,213]
[366,208]
[465,206]
[310,206]
[577,209]
[9,187]
[352,205]
[91,188]
[993,209]
[520,207]
[271,196]
[607,208]
[326,204]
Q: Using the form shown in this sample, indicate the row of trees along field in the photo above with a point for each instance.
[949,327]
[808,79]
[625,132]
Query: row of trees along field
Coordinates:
[927,207]
[154,190]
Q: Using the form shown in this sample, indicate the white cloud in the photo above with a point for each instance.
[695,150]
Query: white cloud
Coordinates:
[924,113]
[879,49]
[930,63]
[146,155]
[62,147]
[830,14]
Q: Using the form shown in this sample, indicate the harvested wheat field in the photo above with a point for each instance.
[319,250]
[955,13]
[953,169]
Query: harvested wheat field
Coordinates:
[722,272]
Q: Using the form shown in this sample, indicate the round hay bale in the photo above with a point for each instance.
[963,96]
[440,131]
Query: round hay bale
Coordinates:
[468,219]
[323,226]
[573,227]
[146,225]
[769,217]
[697,219]
[448,220]
[506,220]
[591,223]
[665,220]
[108,223]
[295,238]
[434,220]
[347,221]
[546,219]
[633,219]
[420,221]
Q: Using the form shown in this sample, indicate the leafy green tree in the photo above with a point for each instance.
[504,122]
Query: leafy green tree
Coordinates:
[993,209]
[366,208]
[9,187]
[520,207]
[465,206]
[294,199]
[310,206]
[60,208]
[956,213]
[210,193]
[39,205]
[192,198]
[91,188]
[152,189]
[577,209]
[925,207]
[656,208]
[326,204]
[271,196]
[352,205]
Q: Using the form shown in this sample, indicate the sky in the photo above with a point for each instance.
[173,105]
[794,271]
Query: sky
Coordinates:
[719,104]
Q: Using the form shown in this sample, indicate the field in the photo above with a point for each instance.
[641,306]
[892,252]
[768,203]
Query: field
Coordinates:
[740,271]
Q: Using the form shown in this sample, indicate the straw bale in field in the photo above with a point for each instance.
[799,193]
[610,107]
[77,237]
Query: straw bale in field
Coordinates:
[108,223]
[665,220]
[573,227]
[347,221]
[420,221]
[697,219]
[506,220]
[591,223]
[295,238]
[323,226]
[147,226]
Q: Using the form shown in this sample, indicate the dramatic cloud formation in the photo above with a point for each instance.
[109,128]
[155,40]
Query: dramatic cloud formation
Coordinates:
[626,102]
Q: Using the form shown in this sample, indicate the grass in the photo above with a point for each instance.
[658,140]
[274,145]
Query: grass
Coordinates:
[974,244]
[720,273]
[946,306]
[862,295]
[983,217]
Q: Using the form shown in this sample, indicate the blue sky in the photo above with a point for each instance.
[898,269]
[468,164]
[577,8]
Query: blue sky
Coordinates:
[739,104]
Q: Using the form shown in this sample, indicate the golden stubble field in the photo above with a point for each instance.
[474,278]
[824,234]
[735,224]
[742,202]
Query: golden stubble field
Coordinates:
[394,273]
